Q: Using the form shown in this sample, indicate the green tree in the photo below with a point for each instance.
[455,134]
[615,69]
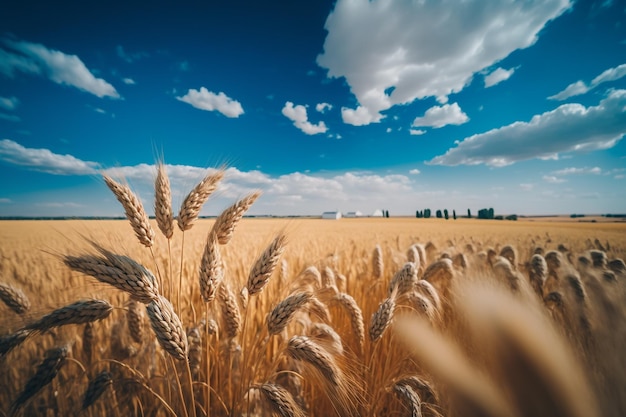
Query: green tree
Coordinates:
[438,214]
[445,214]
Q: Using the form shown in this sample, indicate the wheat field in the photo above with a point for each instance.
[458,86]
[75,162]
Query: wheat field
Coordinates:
[295,317]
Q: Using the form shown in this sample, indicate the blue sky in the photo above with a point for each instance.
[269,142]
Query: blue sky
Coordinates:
[346,105]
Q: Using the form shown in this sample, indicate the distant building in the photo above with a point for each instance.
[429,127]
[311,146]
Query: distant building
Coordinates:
[353,214]
[334,215]
[377,213]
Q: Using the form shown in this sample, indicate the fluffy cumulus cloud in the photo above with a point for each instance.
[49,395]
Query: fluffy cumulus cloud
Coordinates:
[416,132]
[423,49]
[497,76]
[298,115]
[568,128]
[33,58]
[204,99]
[415,171]
[322,107]
[580,87]
[440,116]
[44,160]
[128,81]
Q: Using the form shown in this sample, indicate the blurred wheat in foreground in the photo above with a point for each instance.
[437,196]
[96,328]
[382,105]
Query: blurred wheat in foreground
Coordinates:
[241,317]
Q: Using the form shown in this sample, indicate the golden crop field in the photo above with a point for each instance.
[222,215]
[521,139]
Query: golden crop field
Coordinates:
[295,317]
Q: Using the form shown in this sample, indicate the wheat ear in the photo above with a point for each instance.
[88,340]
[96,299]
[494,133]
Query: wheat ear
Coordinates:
[11,341]
[381,319]
[190,209]
[168,327]
[282,314]
[120,271]
[46,372]
[407,395]
[304,349]
[134,320]
[281,401]
[134,210]
[377,262]
[224,226]
[211,269]
[76,313]
[403,280]
[230,311]
[264,266]
[354,313]
[97,386]
[14,298]
[163,202]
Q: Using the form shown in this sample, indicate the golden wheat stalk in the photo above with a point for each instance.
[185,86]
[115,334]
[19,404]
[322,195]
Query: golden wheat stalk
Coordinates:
[163,202]
[14,298]
[192,204]
[134,210]
[167,327]
[224,226]
[264,266]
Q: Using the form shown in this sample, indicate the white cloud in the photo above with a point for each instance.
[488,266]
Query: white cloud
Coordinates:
[129,81]
[440,116]
[322,107]
[99,110]
[209,101]
[359,117]
[416,132]
[572,171]
[579,87]
[5,201]
[298,115]
[57,66]
[527,187]
[497,76]
[9,103]
[552,179]
[423,49]
[415,171]
[44,160]
[574,89]
[568,128]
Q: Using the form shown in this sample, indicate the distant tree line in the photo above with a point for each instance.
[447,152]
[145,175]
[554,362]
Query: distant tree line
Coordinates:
[486,213]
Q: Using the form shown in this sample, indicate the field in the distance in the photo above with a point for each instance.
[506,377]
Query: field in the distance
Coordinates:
[440,337]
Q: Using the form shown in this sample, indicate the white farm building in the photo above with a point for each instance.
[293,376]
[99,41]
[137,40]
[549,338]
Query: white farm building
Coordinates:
[334,215]
[353,214]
